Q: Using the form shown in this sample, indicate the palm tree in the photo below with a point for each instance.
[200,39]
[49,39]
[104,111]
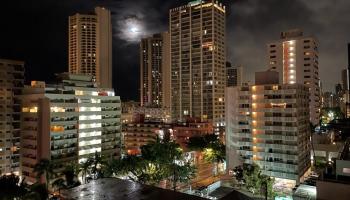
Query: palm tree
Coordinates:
[97,162]
[45,167]
[85,168]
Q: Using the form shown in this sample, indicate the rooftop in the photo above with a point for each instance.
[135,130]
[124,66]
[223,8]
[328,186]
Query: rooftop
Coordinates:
[113,188]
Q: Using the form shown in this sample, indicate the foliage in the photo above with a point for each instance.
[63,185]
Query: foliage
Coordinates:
[238,173]
[255,181]
[70,172]
[11,187]
[45,168]
[158,161]
[212,148]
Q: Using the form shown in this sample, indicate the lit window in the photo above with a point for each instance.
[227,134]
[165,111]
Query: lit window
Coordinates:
[79,92]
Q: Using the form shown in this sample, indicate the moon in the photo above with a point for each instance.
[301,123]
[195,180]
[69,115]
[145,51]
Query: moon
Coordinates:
[131,29]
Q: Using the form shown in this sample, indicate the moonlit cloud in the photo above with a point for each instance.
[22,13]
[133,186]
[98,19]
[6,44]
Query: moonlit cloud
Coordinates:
[131,29]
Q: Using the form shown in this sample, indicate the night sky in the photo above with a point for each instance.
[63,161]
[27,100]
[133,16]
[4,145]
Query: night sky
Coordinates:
[36,31]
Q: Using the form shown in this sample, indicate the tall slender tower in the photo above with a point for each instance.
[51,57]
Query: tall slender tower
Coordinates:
[197,32]
[295,57]
[155,71]
[90,45]
[11,85]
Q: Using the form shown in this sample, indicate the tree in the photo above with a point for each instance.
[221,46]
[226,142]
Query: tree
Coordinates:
[11,187]
[212,148]
[158,161]
[45,167]
[70,172]
[85,167]
[251,175]
[255,181]
[183,173]
[238,174]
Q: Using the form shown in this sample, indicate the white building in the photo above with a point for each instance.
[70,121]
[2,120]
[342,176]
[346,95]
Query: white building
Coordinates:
[269,125]
[295,57]
[68,122]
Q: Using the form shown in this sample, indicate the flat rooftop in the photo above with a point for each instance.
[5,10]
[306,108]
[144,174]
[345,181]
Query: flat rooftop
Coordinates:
[113,188]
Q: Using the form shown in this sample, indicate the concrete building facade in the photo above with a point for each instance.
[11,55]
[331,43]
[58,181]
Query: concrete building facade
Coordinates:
[295,57]
[155,71]
[198,79]
[11,85]
[90,45]
[269,125]
[68,122]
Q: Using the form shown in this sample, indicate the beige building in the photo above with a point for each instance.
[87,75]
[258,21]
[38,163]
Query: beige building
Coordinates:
[198,79]
[135,135]
[68,122]
[90,45]
[295,57]
[11,85]
[155,71]
[269,125]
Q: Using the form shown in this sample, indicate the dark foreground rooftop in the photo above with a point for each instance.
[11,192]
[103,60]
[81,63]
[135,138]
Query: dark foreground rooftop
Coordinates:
[113,188]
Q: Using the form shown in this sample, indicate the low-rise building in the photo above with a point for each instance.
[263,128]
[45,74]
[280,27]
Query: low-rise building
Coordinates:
[135,135]
[68,122]
[183,131]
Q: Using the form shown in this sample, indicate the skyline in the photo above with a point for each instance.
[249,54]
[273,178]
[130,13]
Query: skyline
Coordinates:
[132,21]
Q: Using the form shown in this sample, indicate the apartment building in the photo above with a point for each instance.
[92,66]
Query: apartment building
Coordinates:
[90,45]
[11,84]
[198,56]
[155,71]
[295,57]
[68,122]
[268,124]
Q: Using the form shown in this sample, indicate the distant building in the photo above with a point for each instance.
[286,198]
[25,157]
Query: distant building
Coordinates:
[155,71]
[183,131]
[11,85]
[68,122]
[234,75]
[328,99]
[295,57]
[90,45]
[268,124]
[135,135]
[128,108]
[198,79]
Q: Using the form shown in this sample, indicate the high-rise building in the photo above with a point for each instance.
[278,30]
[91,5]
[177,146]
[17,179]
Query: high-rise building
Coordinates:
[295,57]
[155,71]
[234,75]
[198,79]
[68,122]
[11,85]
[269,125]
[90,45]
